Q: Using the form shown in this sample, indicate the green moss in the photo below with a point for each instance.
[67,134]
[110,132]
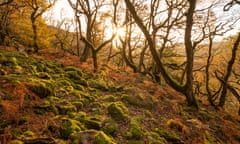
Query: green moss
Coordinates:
[64,109]
[77,104]
[110,127]
[135,142]
[98,84]
[91,136]
[81,116]
[41,89]
[169,136]
[154,138]
[69,126]
[73,75]
[109,98]
[13,61]
[92,123]
[43,75]
[208,138]
[79,87]
[16,142]
[135,131]
[140,100]
[102,138]
[53,99]
[74,69]
[118,111]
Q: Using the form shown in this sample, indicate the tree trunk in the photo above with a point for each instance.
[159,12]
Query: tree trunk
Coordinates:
[189,51]
[86,51]
[229,71]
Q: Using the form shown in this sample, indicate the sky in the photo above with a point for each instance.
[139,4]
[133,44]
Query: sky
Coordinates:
[62,10]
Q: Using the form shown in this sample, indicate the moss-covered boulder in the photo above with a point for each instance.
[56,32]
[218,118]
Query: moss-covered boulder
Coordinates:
[65,109]
[91,136]
[41,89]
[110,127]
[98,84]
[169,136]
[92,123]
[140,100]
[118,111]
[135,131]
[154,138]
[69,126]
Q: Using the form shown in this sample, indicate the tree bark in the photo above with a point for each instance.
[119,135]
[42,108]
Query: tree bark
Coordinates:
[189,51]
[229,71]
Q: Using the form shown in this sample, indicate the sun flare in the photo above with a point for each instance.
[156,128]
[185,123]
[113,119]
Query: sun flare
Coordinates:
[120,31]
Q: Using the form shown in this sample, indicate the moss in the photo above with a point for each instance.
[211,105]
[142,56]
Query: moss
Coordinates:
[43,75]
[154,138]
[140,100]
[92,123]
[53,99]
[118,111]
[102,138]
[41,89]
[109,98]
[13,61]
[73,75]
[169,136]
[208,139]
[74,69]
[27,134]
[79,87]
[16,142]
[98,84]
[64,109]
[135,131]
[135,142]
[110,127]
[81,116]
[82,81]
[77,104]
[69,126]
[91,136]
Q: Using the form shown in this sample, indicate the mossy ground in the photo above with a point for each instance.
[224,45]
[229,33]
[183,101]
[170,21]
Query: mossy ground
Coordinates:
[54,96]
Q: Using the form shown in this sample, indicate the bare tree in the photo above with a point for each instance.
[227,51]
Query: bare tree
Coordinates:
[186,89]
[37,9]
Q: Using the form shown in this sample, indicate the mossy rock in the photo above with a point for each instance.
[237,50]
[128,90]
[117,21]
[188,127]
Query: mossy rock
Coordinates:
[44,75]
[73,75]
[118,111]
[16,142]
[110,127]
[92,123]
[135,142]
[82,82]
[77,104]
[81,116]
[140,100]
[70,68]
[169,136]
[154,138]
[69,126]
[135,131]
[109,98]
[98,84]
[91,136]
[41,89]
[65,109]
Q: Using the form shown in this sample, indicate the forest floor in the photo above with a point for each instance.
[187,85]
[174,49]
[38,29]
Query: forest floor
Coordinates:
[51,98]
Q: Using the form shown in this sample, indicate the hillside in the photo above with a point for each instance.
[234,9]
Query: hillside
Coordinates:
[51,98]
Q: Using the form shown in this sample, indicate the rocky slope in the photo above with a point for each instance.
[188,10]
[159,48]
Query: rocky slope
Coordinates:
[52,98]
